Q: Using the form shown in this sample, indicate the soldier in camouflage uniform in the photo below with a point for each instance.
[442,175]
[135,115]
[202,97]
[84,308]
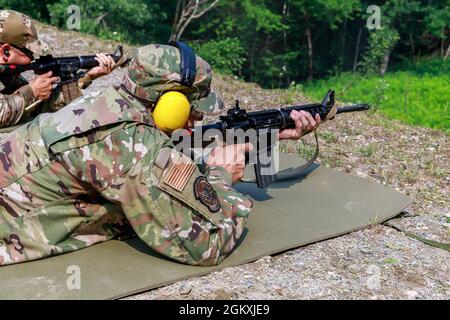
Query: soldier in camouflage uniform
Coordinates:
[88,172]
[19,44]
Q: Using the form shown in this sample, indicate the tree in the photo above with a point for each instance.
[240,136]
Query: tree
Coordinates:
[381,43]
[437,20]
[35,9]
[121,20]
[186,11]
[322,14]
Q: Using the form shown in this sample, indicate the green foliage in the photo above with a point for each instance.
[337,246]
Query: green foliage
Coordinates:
[225,56]
[33,8]
[420,98]
[331,12]
[274,42]
[112,19]
[262,17]
[390,260]
[367,151]
[430,66]
[381,41]
[437,18]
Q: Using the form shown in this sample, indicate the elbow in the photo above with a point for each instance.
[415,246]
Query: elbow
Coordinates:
[207,256]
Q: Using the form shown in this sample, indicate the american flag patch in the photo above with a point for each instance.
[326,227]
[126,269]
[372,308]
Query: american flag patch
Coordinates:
[179,175]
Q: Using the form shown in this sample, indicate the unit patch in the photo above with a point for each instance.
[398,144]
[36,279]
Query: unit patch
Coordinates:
[204,192]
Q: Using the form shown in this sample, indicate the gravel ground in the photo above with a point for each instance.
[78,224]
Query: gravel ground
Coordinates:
[379,262]
[375,263]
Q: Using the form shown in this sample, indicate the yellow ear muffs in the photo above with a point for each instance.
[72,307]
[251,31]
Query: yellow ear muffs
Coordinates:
[171,111]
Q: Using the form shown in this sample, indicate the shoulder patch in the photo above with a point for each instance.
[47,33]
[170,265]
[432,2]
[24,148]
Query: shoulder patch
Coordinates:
[204,192]
[179,174]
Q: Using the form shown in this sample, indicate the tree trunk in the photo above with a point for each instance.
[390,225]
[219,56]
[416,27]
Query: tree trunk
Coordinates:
[285,47]
[252,59]
[310,47]
[342,59]
[448,52]
[358,42]
[384,63]
[186,11]
[176,20]
[411,41]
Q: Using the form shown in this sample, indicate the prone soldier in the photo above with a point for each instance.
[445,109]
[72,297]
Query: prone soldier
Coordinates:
[19,45]
[100,167]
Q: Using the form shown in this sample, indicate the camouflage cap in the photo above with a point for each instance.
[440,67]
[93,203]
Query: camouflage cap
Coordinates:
[19,30]
[155,69]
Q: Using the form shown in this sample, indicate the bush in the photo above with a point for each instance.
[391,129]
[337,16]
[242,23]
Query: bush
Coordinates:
[135,22]
[418,98]
[225,56]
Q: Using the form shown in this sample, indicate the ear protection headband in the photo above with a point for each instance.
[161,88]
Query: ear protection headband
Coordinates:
[172,109]
[188,64]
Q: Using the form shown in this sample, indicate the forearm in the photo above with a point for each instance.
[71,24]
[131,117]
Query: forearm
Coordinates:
[12,106]
[234,212]
[85,82]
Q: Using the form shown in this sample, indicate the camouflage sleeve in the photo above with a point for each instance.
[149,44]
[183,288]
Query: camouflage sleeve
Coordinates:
[12,106]
[187,216]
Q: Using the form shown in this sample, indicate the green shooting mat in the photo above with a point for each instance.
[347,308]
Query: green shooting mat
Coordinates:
[319,204]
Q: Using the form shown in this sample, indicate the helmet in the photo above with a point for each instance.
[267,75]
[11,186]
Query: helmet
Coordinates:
[171,111]
[19,31]
[156,69]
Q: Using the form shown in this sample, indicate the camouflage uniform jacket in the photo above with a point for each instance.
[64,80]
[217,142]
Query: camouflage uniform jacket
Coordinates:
[85,173]
[16,94]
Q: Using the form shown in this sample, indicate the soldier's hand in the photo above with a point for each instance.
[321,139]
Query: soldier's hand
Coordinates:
[231,158]
[304,122]
[106,65]
[43,85]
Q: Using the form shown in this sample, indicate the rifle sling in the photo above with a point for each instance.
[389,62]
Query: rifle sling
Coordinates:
[294,173]
[301,169]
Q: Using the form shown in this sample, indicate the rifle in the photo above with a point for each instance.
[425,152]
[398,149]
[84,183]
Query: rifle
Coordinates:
[68,69]
[263,123]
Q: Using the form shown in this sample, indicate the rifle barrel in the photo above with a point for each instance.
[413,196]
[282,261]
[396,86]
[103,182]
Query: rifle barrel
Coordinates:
[356,107]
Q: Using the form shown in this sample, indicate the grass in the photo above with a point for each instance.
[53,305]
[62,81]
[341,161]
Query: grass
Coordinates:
[390,260]
[417,94]
[367,151]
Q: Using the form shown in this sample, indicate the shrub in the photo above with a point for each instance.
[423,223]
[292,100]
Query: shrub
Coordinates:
[225,56]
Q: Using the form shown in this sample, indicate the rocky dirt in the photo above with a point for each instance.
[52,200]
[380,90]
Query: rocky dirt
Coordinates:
[379,262]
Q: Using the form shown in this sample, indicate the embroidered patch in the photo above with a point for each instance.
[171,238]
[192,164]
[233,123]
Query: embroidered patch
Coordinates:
[204,192]
[178,176]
